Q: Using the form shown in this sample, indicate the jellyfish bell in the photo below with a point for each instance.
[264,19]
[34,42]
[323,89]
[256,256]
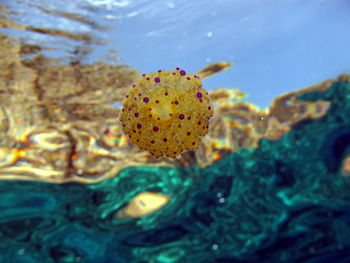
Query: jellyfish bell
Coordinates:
[166,113]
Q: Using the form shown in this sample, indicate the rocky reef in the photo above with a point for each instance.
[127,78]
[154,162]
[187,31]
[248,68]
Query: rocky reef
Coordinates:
[59,122]
[283,200]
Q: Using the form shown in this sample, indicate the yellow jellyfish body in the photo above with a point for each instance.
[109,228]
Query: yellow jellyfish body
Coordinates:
[166,113]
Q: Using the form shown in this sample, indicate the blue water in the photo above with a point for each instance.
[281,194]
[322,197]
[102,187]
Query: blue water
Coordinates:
[285,201]
[276,45]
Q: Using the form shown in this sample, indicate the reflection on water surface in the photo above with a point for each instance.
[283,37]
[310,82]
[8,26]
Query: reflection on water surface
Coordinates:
[59,120]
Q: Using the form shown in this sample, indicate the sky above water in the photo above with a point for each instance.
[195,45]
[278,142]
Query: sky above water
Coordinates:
[276,45]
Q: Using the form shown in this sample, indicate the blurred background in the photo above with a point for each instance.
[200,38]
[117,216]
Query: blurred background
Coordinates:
[276,45]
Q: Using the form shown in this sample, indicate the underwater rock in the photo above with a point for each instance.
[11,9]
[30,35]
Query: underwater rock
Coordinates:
[213,69]
[143,204]
[278,202]
[336,148]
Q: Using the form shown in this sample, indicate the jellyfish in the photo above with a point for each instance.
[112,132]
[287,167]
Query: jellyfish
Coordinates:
[166,113]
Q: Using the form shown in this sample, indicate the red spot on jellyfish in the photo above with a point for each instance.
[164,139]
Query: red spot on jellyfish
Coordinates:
[188,78]
[157,101]
[146,99]
[152,141]
[155,128]
[157,80]
[166,93]
[181,116]
[188,133]
[138,126]
[209,108]
[147,78]
[199,95]
[165,139]
[182,72]
[136,114]
[176,102]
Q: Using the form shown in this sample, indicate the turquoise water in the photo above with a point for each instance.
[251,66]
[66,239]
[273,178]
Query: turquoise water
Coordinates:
[285,201]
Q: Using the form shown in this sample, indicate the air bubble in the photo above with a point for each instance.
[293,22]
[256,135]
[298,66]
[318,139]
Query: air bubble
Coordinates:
[210,35]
